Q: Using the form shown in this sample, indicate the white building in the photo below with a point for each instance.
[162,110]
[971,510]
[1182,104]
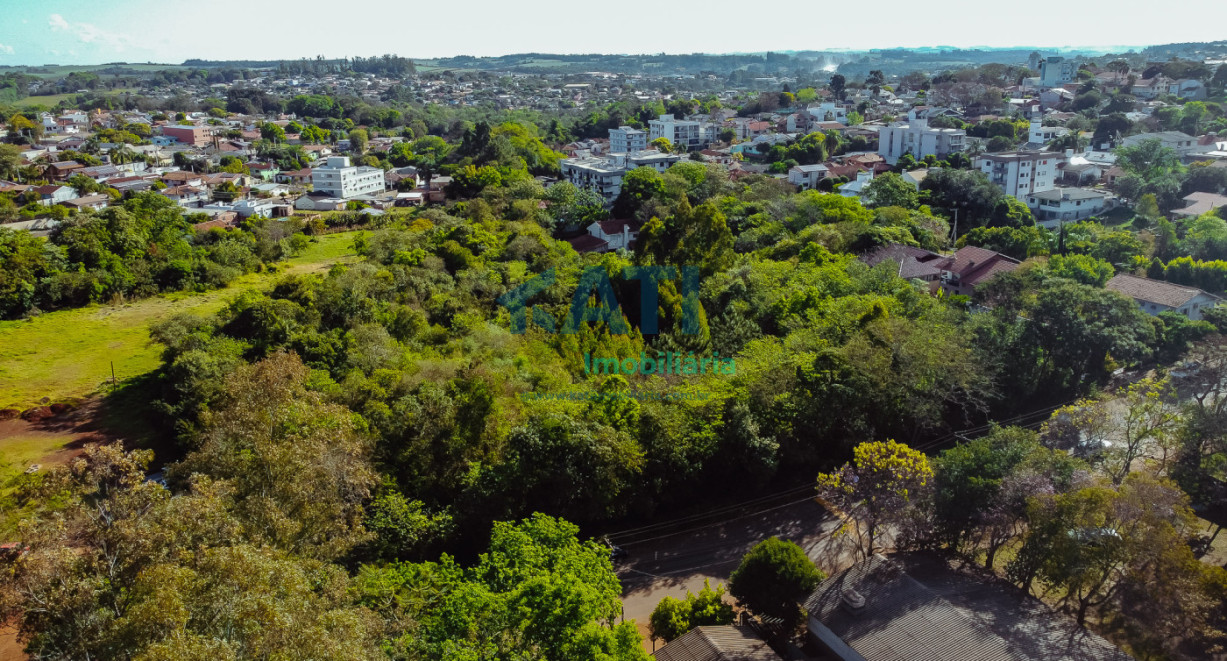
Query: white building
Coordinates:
[1055,71]
[626,139]
[340,179]
[916,138]
[603,175]
[1041,135]
[1059,205]
[828,112]
[1020,173]
[807,176]
[685,135]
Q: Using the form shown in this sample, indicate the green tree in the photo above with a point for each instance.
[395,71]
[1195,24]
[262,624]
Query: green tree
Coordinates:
[1081,268]
[271,132]
[663,145]
[674,617]
[358,140]
[773,577]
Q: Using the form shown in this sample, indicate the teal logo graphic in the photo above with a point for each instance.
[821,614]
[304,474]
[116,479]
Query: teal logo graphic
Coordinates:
[595,281]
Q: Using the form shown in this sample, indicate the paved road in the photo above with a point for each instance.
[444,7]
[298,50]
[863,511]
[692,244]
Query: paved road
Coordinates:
[669,560]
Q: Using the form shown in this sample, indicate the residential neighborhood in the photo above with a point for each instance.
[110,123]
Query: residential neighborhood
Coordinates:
[631,351]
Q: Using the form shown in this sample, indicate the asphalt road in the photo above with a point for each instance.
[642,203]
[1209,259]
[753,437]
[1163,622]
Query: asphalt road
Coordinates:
[671,558]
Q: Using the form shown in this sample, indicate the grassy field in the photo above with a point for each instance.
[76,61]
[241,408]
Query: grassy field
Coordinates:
[67,354]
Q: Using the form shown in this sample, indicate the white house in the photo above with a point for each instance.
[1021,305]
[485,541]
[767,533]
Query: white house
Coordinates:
[1019,173]
[856,187]
[1183,143]
[828,112]
[340,179]
[603,175]
[1041,135]
[1055,71]
[617,234]
[1155,296]
[916,138]
[1058,205]
[807,176]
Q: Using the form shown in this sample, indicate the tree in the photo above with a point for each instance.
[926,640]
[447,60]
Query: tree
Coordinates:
[876,489]
[10,161]
[1081,268]
[638,186]
[271,132]
[838,83]
[429,153]
[298,466]
[664,145]
[358,140]
[674,617]
[890,190]
[773,577]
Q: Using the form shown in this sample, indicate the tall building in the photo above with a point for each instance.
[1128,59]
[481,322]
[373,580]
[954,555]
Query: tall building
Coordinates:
[685,135]
[625,139]
[340,179]
[1055,71]
[917,138]
[1020,173]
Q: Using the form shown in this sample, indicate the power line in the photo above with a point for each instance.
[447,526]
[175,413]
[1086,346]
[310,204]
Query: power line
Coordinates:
[720,510]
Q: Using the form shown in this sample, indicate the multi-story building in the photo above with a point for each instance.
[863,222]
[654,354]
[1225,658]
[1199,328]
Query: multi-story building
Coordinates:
[625,139]
[340,179]
[685,135]
[806,177]
[197,136]
[603,176]
[917,138]
[1020,173]
[1055,71]
[1060,205]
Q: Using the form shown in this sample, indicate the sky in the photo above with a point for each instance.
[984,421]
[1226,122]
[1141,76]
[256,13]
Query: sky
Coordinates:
[97,31]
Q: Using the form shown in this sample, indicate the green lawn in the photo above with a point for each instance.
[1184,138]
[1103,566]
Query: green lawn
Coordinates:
[66,354]
[21,451]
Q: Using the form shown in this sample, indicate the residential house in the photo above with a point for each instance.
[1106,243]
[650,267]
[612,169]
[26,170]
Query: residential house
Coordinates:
[93,202]
[717,643]
[915,177]
[806,177]
[914,263]
[295,177]
[100,173]
[1188,88]
[1019,173]
[856,187]
[916,138]
[828,112]
[1041,135]
[1184,144]
[972,266]
[603,176]
[62,170]
[51,194]
[1155,296]
[617,234]
[187,196]
[181,178]
[1058,205]
[1199,203]
[919,606]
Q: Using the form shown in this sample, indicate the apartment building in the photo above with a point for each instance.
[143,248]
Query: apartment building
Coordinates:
[625,139]
[917,138]
[685,135]
[1020,173]
[338,178]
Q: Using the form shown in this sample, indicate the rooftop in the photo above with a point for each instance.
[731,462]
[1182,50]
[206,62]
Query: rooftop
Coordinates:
[1153,291]
[1057,194]
[726,643]
[916,606]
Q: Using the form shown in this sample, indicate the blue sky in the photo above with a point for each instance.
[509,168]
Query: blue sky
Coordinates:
[96,31]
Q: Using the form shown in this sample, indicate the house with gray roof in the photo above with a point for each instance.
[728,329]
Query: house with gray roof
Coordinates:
[725,643]
[1155,296]
[917,607]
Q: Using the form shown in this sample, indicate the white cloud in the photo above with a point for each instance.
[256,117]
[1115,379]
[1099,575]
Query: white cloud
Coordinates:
[6,50]
[88,33]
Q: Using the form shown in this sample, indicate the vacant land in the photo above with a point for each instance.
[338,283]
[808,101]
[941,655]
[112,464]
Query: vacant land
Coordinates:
[69,354]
